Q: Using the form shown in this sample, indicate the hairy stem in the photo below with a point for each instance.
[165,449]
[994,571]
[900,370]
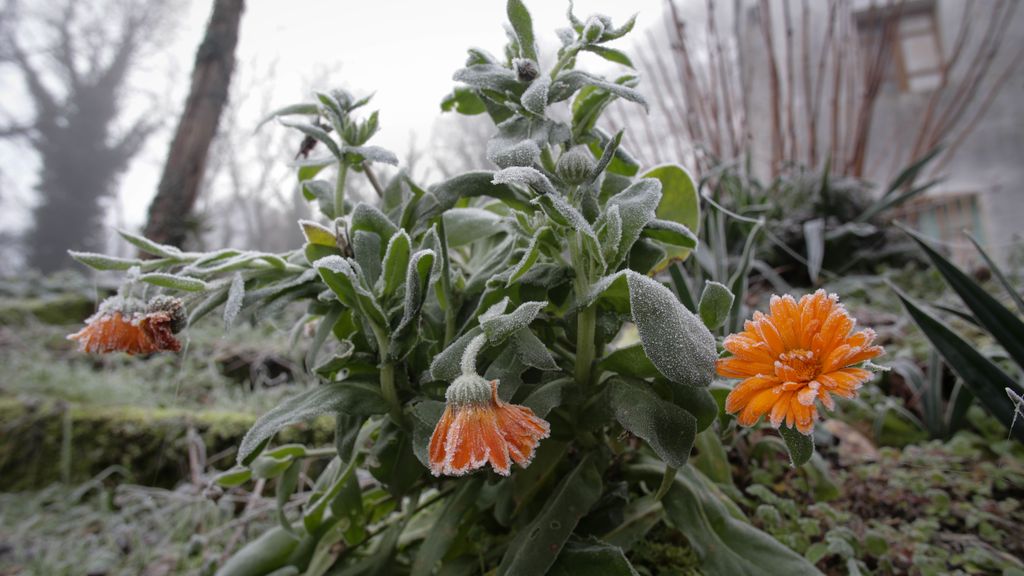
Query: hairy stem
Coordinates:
[586,324]
[339,191]
[388,390]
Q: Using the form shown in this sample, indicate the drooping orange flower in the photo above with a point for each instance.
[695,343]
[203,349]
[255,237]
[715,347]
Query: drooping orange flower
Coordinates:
[789,359]
[477,427]
[116,329]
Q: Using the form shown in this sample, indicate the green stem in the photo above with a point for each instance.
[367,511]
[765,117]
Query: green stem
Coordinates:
[666,482]
[339,191]
[570,53]
[390,393]
[446,285]
[586,324]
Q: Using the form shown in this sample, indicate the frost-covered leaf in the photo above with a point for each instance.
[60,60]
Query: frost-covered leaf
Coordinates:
[315,132]
[466,225]
[610,54]
[629,361]
[535,98]
[547,397]
[675,339]
[472,184]
[302,109]
[149,247]
[667,428]
[593,558]
[355,398]
[800,446]
[488,76]
[234,477]
[447,365]
[321,191]
[309,168]
[370,154]
[396,263]
[343,280]
[636,205]
[532,253]
[501,326]
[536,546]
[417,278]
[611,233]
[317,233]
[509,152]
[236,295]
[526,176]
[367,249]
[671,233]
[680,203]
[174,282]
[532,352]
[567,83]
[104,262]
[522,24]
[369,218]
[715,304]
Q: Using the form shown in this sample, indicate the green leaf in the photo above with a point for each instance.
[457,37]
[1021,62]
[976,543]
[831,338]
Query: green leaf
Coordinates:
[501,326]
[308,169]
[667,428]
[636,205]
[910,173]
[104,262]
[473,184]
[466,225]
[416,279]
[542,235]
[447,365]
[536,547]
[680,203]
[998,273]
[724,543]
[342,279]
[174,282]
[738,280]
[234,477]
[149,247]
[355,398]
[315,132]
[629,361]
[396,263]
[547,397]
[301,109]
[1003,324]
[671,234]
[262,555]
[522,24]
[446,528]
[610,54]
[567,83]
[696,400]
[981,376]
[593,558]
[368,218]
[464,101]
[800,446]
[674,338]
[317,233]
[715,304]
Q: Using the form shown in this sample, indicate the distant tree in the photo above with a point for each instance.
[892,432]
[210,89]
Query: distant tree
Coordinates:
[169,214]
[74,60]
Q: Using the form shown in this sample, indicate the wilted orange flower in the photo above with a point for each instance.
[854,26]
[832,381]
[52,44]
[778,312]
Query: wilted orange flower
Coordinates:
[115,329]
[477,427]
[800,353]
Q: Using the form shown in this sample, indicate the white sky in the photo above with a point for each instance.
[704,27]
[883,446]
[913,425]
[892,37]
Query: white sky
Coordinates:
[405,50]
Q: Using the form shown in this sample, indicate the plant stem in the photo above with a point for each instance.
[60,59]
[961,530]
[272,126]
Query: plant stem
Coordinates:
[586,324]
[570,53]
[387,389]
[666,482]
[339,190]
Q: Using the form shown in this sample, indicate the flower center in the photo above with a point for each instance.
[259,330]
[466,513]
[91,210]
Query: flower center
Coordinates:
[797,366]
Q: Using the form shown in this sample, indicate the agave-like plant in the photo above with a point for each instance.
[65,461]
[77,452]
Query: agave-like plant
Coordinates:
[485,323]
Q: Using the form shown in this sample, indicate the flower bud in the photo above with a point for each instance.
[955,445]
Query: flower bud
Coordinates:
[526,69]
[575,166]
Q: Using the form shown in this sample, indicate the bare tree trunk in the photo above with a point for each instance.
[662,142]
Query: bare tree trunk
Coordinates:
[183,172]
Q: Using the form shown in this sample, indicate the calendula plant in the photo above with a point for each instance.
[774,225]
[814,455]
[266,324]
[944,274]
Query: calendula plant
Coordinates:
[514,392]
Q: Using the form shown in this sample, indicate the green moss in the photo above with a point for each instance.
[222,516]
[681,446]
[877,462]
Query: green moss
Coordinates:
[150,444]
[665,551]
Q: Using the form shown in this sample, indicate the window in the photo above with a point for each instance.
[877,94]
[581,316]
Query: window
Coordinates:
[945,218]
[915,63]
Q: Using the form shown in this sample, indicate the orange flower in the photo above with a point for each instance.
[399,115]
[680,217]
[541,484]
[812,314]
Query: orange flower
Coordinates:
[477,427]
[112,329]
[800,353]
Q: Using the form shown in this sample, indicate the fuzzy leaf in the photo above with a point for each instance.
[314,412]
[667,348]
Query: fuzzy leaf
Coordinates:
[317,233]
[593,558]
[501,326]
[396,262]
[522,24]
[104,262]
[547,397]
[149,247]
[466,225]
[800,446]
[368,218]
[636,205]
[472,184]
[667,428]
[680,203]
[174,282]
[569,82]
[526,176]
[715,304]
[535,98]
[355,398]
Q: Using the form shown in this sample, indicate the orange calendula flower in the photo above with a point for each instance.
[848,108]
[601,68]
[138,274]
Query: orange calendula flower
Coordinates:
[789,359]
[116,328]
[477,427]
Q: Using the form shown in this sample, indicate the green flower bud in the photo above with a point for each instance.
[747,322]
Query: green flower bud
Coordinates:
[575,166]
